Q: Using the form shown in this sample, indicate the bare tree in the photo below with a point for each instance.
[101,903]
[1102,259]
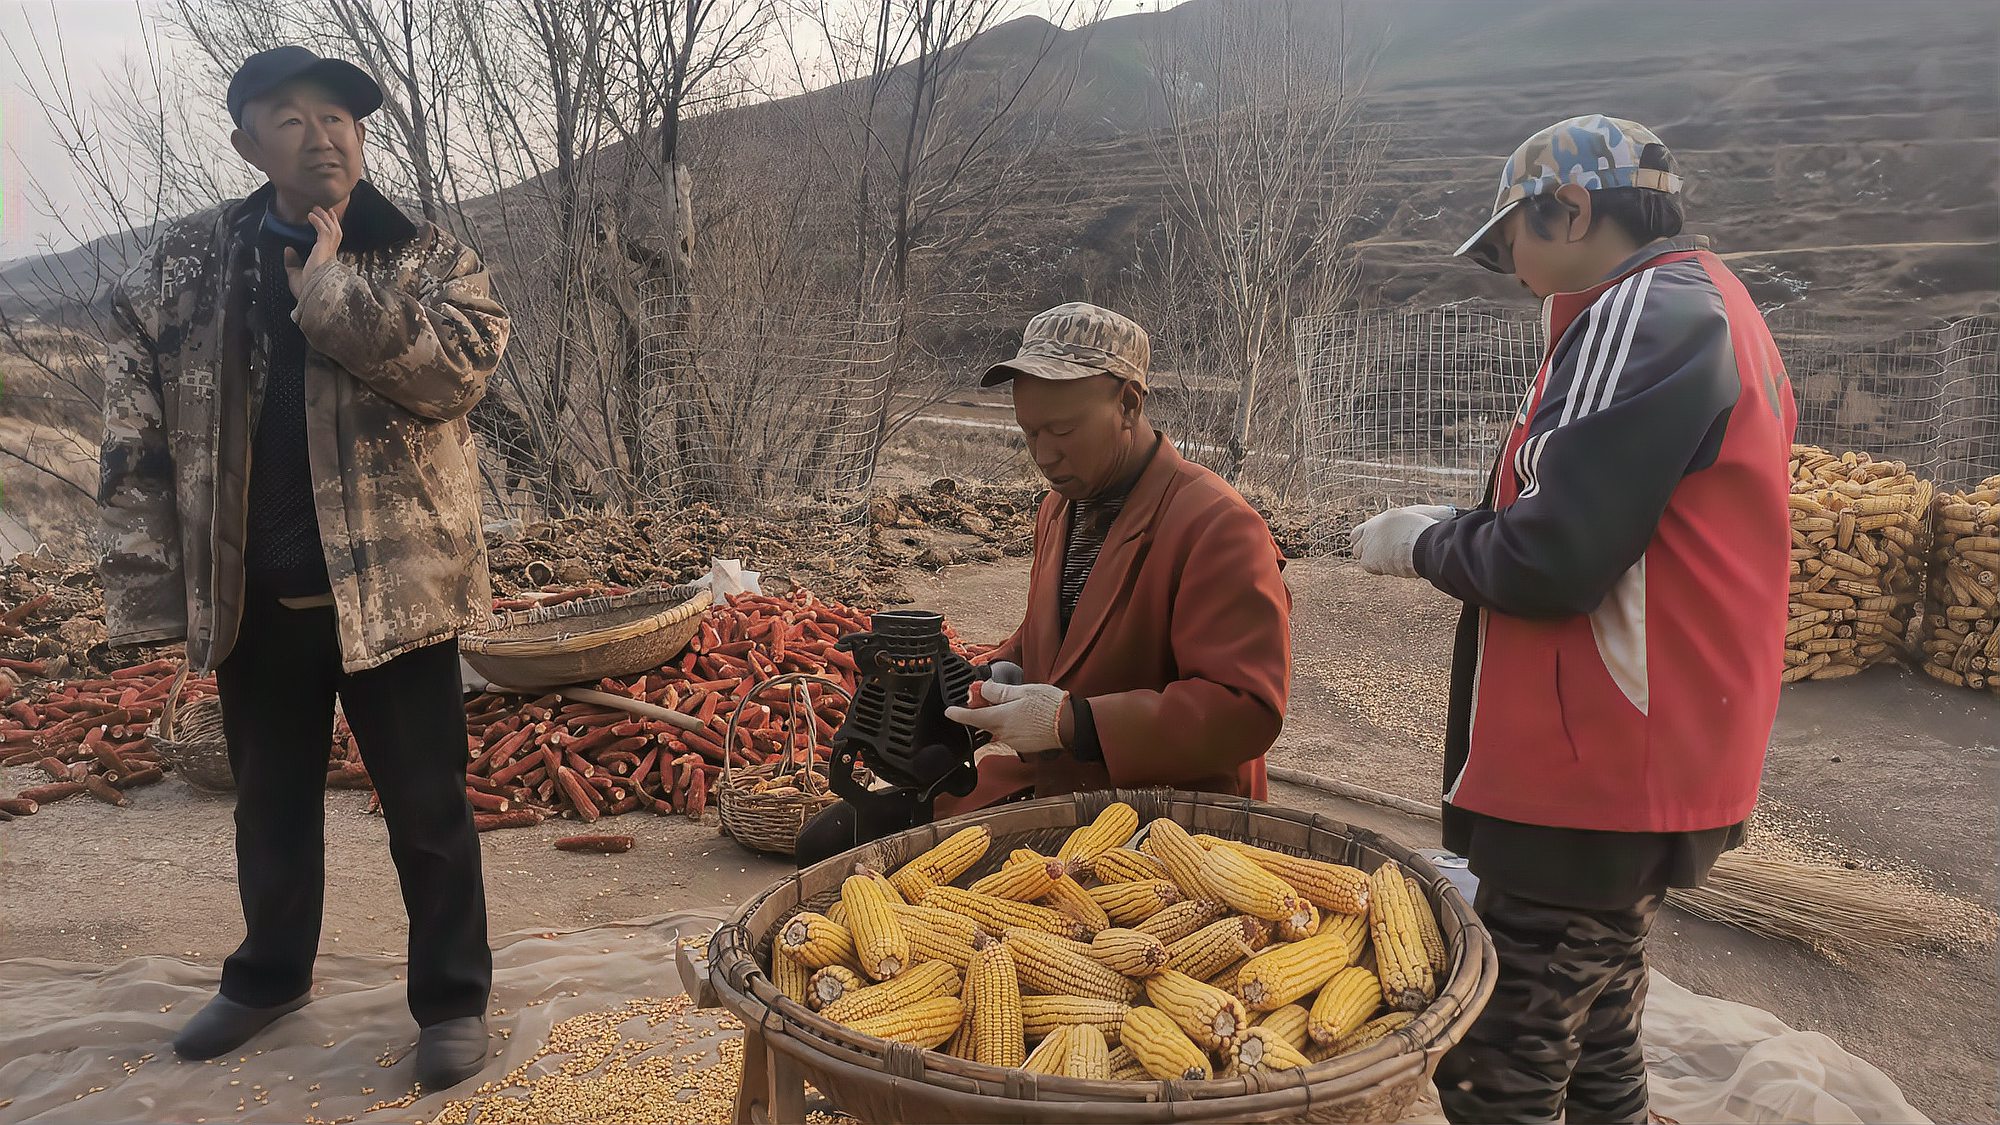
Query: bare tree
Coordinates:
[944,113]
[1268,161]
[134,162]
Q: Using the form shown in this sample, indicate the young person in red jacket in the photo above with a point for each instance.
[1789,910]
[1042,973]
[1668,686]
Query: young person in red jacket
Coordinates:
[1625,588]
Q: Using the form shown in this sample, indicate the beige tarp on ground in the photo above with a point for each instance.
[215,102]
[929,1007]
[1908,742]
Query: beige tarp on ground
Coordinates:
[87,1043]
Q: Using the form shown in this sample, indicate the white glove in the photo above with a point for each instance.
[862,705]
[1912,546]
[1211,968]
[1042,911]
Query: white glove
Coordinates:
[1385,543]
[1437,512]
[1027,717]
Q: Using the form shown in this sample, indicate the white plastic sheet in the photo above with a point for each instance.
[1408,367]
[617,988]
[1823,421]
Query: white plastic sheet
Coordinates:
[74,1037]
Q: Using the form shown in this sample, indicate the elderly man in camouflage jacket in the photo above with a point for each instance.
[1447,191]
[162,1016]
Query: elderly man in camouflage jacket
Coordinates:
[289,484]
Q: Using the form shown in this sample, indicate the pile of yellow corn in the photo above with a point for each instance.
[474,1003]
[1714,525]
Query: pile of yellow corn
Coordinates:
[1858,544]
[1185,957]
[1962,645]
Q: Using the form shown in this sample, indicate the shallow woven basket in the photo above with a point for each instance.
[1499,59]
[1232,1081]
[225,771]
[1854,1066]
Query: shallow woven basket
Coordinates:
[879,1081]
[190,740]
[770,822]
[584,641]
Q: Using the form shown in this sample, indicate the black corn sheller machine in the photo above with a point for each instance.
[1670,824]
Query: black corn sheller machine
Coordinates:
[896,728]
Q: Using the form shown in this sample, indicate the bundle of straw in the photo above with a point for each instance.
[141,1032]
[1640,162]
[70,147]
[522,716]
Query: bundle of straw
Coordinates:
[1836,911]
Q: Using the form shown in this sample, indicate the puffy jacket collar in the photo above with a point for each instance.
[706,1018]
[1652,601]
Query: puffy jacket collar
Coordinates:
[371,223]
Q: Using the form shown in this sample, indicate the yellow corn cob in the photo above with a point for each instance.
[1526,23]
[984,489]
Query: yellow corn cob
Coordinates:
[1172,846]
[1289,1023]
[1123,865]
[1261,1049]
[1125,1066]
[1175,922]
[993,993]
[816,942]
[1216,946]
[954,855]
[1128,904]
[1374,1031]
[926,1023]
[792,978]
[958,926]
[1211,1017]
[837,913]
[1025,877]
[927,944]
[1087,1054]
[889,889]
[1344,1004]
[1049,1055]
[1043,1015]
[911,882]
[1353,929]
[1427,927]
[1068,896]
[1249,889]
[995,915]
[879,943]
[1129,952]
[959,1046]
[1407,981]
[1161,1047]
[1277,977]
[922,982]
[1113,827]
[1053,966]
[832,983]
[1302,925]
[1226,979]
[1332,887]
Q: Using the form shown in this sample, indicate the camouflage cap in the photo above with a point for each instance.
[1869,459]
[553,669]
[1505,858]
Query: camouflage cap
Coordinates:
[1593,151]
[1076,341]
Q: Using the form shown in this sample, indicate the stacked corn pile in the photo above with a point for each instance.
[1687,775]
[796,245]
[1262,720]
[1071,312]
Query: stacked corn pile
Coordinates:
[1187,957]
[1858,526]
[1962,646]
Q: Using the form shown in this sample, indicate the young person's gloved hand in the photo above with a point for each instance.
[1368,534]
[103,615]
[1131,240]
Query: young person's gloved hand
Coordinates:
[1385,543]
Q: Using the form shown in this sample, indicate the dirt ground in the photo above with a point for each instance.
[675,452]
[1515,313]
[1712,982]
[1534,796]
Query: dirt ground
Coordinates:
[1886,770]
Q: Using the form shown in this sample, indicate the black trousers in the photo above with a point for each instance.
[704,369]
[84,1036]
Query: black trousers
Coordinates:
[1560,1038]
[278,687]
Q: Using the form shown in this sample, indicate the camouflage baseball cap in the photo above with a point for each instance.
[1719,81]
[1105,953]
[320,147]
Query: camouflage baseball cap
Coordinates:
[1593,151]
[1076,341]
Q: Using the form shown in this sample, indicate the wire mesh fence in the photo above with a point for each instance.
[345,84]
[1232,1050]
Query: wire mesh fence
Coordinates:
[1407,407]
[766,406]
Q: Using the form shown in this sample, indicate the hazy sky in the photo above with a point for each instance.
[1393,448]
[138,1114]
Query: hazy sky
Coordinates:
[96,36]
[99,38]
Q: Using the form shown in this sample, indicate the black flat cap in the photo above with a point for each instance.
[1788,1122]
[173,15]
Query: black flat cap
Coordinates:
[265,71]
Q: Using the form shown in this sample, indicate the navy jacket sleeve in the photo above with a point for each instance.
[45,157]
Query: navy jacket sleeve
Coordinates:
[1637,399]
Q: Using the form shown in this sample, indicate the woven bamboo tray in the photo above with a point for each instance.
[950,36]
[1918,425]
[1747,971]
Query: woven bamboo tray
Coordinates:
[874,1080]
[190,740]
[582,642]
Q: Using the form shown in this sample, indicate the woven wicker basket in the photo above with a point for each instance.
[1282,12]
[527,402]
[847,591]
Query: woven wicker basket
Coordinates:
[879,1081]
[582,642]
[190,740]
[770,822]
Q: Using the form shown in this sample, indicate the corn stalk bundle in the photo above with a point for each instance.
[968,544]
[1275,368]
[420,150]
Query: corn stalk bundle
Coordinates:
[1859,533]
[1962,644]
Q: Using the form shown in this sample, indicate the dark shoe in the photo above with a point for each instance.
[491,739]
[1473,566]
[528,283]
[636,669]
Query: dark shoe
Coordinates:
[451,1051]
[225,1025]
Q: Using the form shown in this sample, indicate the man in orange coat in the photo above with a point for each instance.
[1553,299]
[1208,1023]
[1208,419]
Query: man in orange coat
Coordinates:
[1156,649]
